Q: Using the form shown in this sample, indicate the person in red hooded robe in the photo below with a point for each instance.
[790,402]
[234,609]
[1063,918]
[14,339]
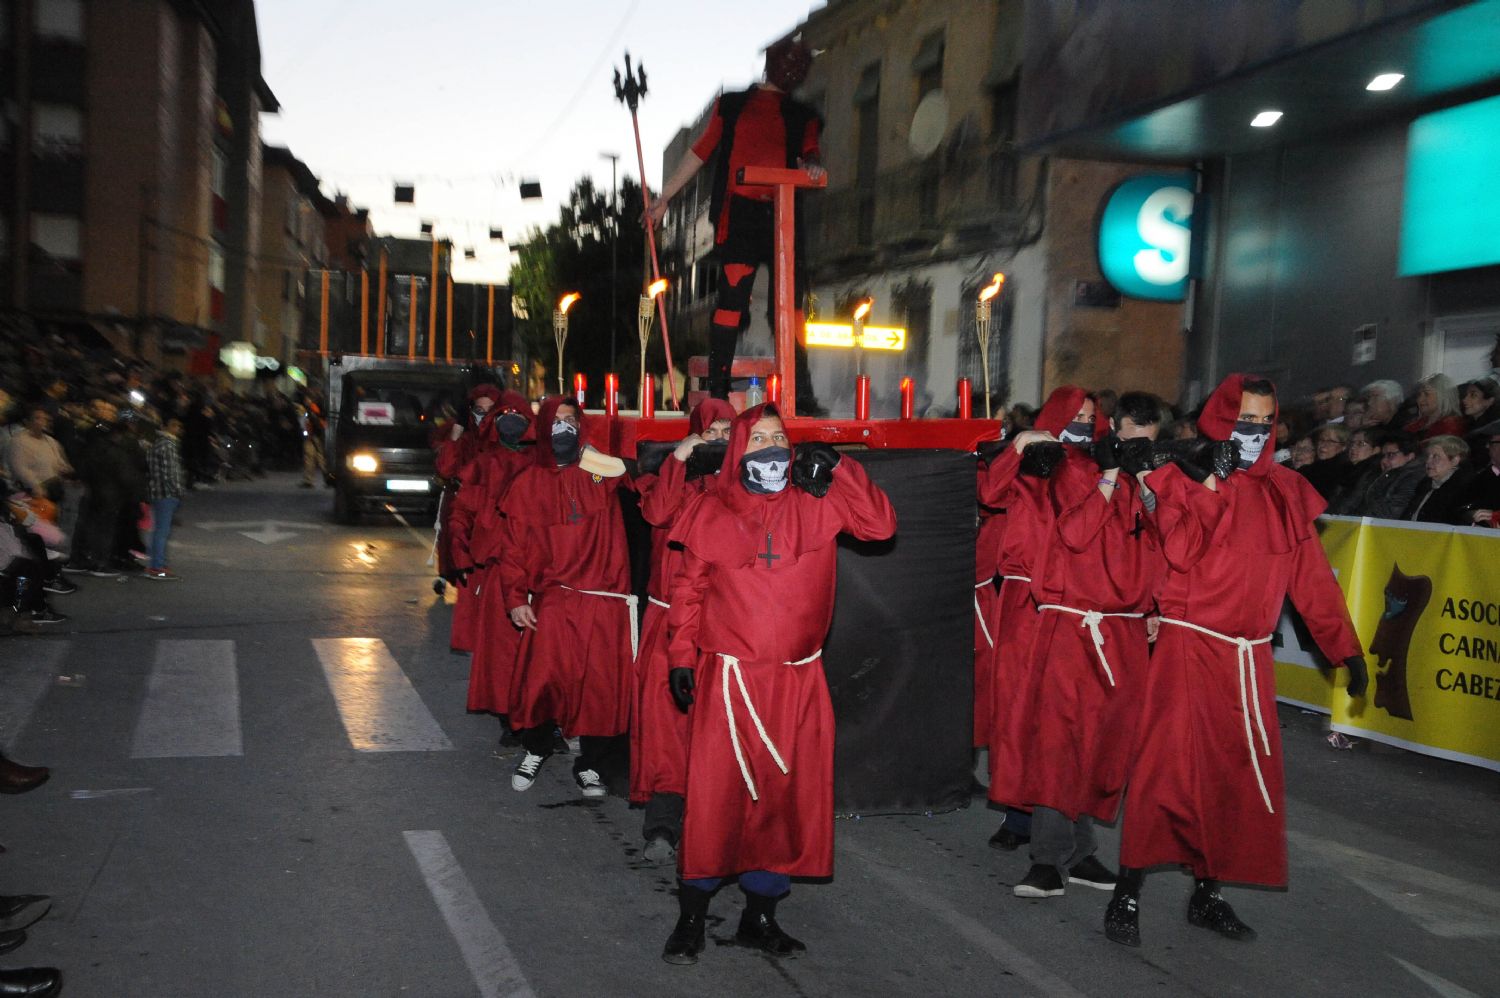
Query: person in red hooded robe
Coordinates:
[750,610]
[1015,481]
[566,577]
[468,439]
[1093,582]
[1207,789]
[477,536]
[659,730]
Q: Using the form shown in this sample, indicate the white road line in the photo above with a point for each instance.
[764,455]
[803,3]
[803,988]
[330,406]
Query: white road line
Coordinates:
[28,672]
[192,705]
[1440,985]
[489,959]
[380,709]
[1041,980]
[1444,906]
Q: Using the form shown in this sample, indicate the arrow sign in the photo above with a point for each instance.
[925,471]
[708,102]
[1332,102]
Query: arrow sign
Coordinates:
[264,531]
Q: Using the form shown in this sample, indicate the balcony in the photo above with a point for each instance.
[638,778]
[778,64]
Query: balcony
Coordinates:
[959,200]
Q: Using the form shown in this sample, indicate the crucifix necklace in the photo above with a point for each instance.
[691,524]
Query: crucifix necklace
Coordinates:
[574,516]
[768,555]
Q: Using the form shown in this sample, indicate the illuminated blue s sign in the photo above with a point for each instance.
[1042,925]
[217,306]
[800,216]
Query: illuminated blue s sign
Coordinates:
[1146,236]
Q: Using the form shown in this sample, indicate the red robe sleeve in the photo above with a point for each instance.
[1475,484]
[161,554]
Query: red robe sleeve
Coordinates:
[1187,514]
[662,494]
[449,461]
[688,586]
[1080,508]
[709,140]
[466,506]
[1316,595]
[520,548]
[996,479]
[863,508]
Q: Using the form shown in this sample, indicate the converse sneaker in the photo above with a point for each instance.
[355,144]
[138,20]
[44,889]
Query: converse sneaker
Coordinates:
[526,770]
[589,783]
[60,587]
[1092,873]
[1040,882]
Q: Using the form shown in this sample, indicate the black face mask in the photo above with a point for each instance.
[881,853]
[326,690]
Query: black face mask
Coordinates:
[764,473]
[706,459]
[1252,438]
[512,427]
[565,445]
[1077,433]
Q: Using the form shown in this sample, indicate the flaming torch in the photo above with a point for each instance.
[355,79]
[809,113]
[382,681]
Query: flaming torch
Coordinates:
[643,319]
[861,312]
[982,330]
[560,331]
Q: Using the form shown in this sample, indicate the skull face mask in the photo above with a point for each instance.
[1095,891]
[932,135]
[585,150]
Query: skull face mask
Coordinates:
[765,471]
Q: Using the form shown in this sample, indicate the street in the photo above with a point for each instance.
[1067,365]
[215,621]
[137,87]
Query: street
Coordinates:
[265,783]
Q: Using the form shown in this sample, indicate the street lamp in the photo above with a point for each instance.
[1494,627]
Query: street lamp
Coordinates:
[560,331]
[644,316]
[982,331]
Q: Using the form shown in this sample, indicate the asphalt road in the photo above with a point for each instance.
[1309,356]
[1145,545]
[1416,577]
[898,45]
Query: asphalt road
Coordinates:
[265,783]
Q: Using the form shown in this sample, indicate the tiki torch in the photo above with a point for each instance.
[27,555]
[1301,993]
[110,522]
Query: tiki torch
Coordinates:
[643,319]
[560,331]
[982,330]
[861,312]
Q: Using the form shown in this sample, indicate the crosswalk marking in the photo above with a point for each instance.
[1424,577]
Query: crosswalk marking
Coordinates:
[493,966]
[380,709]
[28,672]
[192,705]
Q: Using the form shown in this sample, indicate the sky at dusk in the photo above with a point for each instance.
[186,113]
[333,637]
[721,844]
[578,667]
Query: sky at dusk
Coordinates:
[466,98]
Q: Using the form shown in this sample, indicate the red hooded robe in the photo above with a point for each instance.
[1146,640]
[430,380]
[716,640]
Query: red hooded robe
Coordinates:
[476,542]
[1028,523]
[453,457]
[564,548]
[659,730]
[1207,790]
[750,610]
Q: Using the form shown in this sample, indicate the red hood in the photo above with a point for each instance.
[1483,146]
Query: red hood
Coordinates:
[490,392]
[1222,411]
[510,401]
[708,412]
[731,488]
[542,427]
[1060,408]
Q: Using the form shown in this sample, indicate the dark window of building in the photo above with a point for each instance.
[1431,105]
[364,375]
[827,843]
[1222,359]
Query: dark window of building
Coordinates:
[60,20]
[216,281]
[1003,105]
[913,301]
[928,64]
[286,285]
[56,235]
[866,149]
[56,131]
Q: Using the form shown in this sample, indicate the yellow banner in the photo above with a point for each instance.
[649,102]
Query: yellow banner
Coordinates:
[1426,602]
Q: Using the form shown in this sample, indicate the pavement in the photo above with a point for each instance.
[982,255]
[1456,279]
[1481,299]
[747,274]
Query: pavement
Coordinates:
[265,783]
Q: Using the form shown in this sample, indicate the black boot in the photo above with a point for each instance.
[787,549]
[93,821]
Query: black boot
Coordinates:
[686,940]
[36,982]
[1208,909]
[758,928]
[1121,918]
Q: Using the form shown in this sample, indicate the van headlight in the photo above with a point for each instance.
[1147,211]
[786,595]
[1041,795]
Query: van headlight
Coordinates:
[364,463]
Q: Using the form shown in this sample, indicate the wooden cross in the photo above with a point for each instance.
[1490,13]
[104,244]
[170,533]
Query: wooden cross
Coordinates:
[767,556]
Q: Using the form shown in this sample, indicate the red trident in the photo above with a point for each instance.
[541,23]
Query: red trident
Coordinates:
[629,92]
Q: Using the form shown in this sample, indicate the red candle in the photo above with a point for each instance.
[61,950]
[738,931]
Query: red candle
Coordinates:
[611,395]
[579,384]
[908,398]
[965,398]
[648,397]
[773,388]
[862,397]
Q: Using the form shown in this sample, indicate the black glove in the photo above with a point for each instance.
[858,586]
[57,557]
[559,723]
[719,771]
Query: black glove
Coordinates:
[1223,457]
[1359,675]
[461,577]
[682,684]
[1107,452]
[706,459]
[1040,459]
[812,468]
[1135,455]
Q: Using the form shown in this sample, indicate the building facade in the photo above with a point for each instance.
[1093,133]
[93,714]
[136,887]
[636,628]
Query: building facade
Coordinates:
[293,242]
[131,166]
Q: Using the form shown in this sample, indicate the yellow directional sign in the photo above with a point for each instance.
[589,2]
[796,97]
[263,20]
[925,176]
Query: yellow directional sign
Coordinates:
[837,334]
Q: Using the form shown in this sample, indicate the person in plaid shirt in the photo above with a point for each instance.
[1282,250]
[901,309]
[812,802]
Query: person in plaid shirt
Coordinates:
[165,463]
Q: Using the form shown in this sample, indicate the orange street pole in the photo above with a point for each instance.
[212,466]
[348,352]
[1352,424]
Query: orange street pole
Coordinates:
[432,305]
[449,353]
[411,317]
[364,311]
[489,332]
[323,319]
[380,309]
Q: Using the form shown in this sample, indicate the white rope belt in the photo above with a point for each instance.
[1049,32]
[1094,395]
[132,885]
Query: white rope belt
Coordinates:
[1092,619]
[732,664]
[979,614]
[653,599]
[1017,578]
[632,601]
[1245,666]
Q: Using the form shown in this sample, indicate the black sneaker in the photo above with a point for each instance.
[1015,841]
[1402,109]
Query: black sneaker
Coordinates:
[1092,873]
[60,587]
[1007,840]
[589,783]
[73,568]
[46,616]
[103,572]
[1040,882]
[526,770]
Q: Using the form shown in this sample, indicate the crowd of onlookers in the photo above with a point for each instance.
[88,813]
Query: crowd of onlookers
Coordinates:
[97,452]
